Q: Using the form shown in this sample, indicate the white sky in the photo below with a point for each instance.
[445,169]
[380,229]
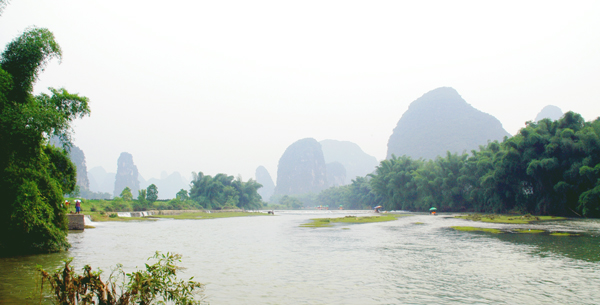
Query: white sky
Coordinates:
[226,86]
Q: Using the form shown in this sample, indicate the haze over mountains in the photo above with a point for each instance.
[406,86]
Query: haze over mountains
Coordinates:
[550,112]
[441,121]
[437,122]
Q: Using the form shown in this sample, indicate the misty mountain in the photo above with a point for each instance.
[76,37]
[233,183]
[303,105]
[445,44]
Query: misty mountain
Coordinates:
[268,187]
[168,185]
[127,175]
[101,181]
[551,112]
[441,121]
[356,162]
[78,158]
[336,174]
[301,169]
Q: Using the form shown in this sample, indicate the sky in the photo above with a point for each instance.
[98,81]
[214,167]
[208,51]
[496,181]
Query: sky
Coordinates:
[227,86]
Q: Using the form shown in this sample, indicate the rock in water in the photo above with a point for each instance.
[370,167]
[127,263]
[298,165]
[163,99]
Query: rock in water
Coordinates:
[441,121]
[127,175]
[264,178]
[301,169]
[549,112]
[336,174]
[356,162]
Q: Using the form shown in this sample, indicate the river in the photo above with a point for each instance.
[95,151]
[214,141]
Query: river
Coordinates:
[417,259]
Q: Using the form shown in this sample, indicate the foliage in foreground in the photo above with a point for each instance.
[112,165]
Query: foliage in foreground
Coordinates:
[157,284]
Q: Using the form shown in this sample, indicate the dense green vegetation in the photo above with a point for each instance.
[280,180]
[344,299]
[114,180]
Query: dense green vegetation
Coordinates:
[34,175]
[548,168]
[222,191]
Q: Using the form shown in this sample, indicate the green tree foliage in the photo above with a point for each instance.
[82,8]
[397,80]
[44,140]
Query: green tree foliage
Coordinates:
[290,202]
[152,193]
[549,167]
[334,197]
[158,284]
[224,191]
[126,194]
[361,195]
[142,196]
[182,195]
[34,175]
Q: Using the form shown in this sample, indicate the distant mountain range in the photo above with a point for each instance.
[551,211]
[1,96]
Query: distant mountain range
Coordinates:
[437,122]
[550,112]
[301,169]
[101,181]
[264,178]
[356,162]
[441,121]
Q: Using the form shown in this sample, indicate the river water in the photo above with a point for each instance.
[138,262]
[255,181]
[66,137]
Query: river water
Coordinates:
[272,260]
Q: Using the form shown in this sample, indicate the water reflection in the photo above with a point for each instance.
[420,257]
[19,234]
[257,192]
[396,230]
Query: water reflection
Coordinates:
[19,279]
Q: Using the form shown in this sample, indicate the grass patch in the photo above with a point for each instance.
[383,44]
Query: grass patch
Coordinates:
[529,231]
[417,223]
[511,219]
[204,215]
[476,229]
[328,222]
[563,234]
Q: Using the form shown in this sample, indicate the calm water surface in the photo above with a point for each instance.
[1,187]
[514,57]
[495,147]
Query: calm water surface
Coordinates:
[271,260]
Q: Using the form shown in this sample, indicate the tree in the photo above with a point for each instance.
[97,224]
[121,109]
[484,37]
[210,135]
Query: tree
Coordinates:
[223,191]
[34,176]
[152,193]
[182,195]
[291,202]
[142,196]
[126,194]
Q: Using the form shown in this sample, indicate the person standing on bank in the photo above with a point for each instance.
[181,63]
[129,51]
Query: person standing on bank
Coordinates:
[77,206]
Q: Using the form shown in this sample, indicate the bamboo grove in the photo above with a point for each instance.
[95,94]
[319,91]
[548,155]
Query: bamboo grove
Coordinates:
[548,168]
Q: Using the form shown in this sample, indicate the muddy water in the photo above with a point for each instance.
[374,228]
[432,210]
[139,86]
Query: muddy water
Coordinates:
[413,260]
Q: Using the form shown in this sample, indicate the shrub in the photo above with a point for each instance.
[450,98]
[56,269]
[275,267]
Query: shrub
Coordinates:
[157,284]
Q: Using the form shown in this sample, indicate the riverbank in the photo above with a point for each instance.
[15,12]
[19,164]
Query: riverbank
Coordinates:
[152,215]
[208,214]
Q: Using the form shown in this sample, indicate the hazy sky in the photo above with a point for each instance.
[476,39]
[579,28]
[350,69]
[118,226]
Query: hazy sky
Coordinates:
[226,86]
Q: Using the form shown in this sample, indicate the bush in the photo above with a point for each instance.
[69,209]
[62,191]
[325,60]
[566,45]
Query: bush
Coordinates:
[113,215]
[157,284]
